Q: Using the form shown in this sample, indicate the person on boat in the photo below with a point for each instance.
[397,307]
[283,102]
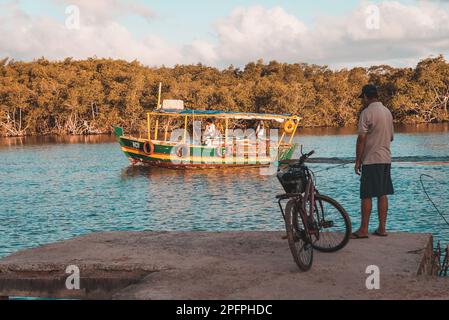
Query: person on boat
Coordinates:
[260,131]
[261,139]
[373,160]
[211,132]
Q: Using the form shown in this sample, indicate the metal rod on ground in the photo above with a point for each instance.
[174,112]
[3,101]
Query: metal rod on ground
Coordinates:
[445,264]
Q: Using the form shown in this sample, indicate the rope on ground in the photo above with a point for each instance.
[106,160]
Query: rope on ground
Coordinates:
[428,196]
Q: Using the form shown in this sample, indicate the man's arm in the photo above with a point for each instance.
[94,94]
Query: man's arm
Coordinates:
[360,149]
[392,131]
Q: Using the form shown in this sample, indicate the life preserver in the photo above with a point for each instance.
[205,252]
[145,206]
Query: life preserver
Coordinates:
[183,151]
[289,126]
[223,154]
[148,148]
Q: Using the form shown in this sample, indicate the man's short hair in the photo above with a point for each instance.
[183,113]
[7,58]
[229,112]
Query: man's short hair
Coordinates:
[370,91]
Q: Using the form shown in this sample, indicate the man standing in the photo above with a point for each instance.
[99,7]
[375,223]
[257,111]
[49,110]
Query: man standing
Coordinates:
[373,160]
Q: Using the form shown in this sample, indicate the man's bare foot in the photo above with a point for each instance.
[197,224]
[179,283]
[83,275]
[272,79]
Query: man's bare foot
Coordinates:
[358,235]
[380,233]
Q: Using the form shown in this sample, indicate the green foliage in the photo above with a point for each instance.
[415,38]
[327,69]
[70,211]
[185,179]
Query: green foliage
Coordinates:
[89,96]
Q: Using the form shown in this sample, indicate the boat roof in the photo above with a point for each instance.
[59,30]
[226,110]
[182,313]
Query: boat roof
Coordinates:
[226,114]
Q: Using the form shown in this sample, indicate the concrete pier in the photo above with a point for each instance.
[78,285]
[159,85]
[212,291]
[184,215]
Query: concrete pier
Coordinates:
[230,265]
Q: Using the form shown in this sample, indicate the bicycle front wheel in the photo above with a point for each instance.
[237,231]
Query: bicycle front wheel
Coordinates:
[298,238]
[333,223]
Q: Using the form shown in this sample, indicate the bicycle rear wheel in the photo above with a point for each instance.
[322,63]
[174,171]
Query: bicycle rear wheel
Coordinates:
[298,239]
[333,223]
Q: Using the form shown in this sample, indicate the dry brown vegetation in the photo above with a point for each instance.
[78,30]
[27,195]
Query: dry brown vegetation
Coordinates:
[89,96]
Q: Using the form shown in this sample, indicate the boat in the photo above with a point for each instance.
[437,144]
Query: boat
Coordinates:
[174,139]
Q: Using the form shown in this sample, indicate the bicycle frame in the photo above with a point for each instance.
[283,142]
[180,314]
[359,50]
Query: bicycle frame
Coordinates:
[309,197]
[309,193]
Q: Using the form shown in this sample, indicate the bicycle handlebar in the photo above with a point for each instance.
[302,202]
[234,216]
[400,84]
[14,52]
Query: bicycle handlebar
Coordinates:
[304,157]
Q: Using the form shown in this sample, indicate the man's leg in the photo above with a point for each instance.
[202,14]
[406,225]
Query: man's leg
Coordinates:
[367,205]
[382,207]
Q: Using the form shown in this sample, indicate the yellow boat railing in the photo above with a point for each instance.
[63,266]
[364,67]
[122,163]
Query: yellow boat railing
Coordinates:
[292,121]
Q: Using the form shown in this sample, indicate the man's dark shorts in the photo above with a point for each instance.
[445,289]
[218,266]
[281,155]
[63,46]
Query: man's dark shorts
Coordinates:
[376,181]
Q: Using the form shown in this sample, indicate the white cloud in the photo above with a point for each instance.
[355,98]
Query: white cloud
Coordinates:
[255,32]
[407,33]
[28,37]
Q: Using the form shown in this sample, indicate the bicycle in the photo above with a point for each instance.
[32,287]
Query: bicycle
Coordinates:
[313,221]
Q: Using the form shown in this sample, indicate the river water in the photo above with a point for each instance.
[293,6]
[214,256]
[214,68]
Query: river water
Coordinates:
[55,188]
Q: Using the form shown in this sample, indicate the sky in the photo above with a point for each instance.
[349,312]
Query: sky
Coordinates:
[337,33]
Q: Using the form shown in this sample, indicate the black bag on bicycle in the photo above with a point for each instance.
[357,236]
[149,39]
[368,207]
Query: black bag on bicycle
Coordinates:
[293,179]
